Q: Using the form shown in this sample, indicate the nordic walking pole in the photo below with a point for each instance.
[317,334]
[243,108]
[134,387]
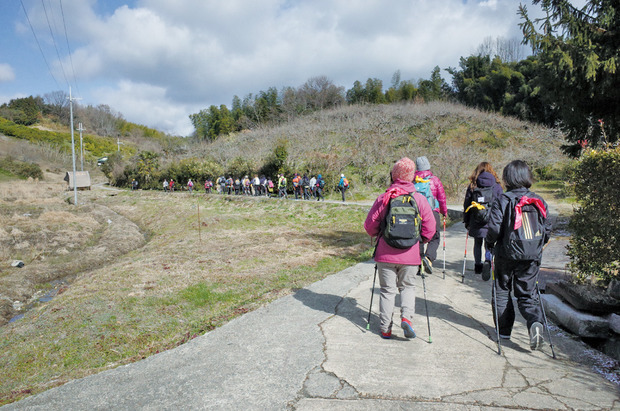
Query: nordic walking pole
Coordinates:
[494,292]
[199,235]
[428,321]
[372,294]
[444,247]
[464,259]
[542,308]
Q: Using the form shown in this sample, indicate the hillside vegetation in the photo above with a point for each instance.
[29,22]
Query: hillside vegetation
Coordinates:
[130,274]
[363,141]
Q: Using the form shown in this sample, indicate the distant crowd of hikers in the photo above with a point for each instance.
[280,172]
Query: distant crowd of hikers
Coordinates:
[304,187]
[510,227]
[509,230]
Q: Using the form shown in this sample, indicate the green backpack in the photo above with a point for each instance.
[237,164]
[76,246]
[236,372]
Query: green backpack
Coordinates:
[402,224]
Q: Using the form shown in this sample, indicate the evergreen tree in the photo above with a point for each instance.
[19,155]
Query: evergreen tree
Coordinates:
[579,51]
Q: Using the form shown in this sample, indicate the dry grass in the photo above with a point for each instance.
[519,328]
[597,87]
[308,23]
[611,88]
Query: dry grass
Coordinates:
[180,283]
[364,141]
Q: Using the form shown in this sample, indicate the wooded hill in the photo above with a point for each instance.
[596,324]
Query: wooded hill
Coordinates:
[361,141]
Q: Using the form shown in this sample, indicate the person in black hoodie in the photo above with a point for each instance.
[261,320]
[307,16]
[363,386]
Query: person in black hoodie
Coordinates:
[518,229]
[484,187]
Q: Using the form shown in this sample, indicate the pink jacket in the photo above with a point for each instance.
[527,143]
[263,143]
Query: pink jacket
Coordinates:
[437,189]
[377,213]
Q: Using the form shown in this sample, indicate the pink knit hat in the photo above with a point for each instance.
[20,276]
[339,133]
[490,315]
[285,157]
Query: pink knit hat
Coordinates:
[404,169]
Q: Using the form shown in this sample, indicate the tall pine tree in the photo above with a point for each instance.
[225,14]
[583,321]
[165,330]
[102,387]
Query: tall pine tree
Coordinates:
[579,53]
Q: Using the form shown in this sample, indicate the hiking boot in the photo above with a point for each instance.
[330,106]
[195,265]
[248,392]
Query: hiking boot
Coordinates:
[407,328]
[478,268]
[388,334]
[536,336]
[486,270]
[428,265]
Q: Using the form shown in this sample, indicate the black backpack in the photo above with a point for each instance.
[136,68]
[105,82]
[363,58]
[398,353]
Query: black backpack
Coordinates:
[526,242]
[480,208]
[402,224]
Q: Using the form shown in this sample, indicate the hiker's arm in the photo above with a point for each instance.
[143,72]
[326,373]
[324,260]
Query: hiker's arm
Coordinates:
[495,222]
[548,225]
[377,212]
[441,197]
[466,204]
[429,225]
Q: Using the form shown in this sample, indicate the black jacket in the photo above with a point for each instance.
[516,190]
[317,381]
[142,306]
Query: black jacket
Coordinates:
[485,179]
[502,213]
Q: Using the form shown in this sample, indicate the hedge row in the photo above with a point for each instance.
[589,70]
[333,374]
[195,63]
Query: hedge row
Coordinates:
[21,168]
[94,146]
[595,245]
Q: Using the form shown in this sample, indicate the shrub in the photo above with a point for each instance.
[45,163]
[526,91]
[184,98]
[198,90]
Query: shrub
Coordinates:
[197,170]
[594,248]
[94,146]
[21,169]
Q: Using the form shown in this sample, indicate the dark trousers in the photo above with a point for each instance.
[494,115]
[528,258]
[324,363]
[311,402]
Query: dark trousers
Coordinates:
[319,194]
[518,277]
[432,246]
[478,242]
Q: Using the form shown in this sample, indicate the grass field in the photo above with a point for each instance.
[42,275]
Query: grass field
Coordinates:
[205,260]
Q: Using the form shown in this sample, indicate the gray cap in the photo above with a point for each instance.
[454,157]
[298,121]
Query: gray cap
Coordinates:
[422,164]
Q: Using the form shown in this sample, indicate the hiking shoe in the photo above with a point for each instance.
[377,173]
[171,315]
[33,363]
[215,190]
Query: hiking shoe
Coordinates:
[407,328]
[428,265]
[388,334]
[536,336]
[486,270]
[478,268]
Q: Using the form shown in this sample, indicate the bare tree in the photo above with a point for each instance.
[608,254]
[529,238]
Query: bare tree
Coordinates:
[508,50]
[101,120]
[58,105]
[320,93]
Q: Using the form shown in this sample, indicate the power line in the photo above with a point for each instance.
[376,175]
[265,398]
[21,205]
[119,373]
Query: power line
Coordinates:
[54,42]
[69,48]
[39,44]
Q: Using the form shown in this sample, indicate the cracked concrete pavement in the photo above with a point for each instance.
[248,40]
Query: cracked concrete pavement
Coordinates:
[311,351]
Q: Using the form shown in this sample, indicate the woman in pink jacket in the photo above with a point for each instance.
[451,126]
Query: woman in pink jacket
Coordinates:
[397,267]
[423,173]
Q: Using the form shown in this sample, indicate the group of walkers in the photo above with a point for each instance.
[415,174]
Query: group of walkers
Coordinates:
[510,227]
[304,187]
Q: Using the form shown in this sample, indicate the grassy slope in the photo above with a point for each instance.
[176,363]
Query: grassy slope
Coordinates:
[180,284]
[185,281]
[364,142]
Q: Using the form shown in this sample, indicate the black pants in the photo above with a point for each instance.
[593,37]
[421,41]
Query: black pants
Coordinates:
[518,277]
[432,246]
[319,194]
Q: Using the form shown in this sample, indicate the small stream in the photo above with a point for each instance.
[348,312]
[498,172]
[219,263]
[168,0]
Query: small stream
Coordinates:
[39,297]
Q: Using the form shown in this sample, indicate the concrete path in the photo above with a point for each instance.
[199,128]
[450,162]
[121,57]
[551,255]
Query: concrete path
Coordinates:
[311,351]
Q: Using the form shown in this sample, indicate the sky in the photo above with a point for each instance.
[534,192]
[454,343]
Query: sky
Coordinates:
[158,61]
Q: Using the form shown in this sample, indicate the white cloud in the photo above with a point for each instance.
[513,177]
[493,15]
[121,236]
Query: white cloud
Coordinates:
[148,105]
[189,54]
[6,73]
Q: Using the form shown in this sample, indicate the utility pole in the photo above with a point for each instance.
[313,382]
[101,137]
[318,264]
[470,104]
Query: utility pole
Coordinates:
[73,147]
[81,147]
